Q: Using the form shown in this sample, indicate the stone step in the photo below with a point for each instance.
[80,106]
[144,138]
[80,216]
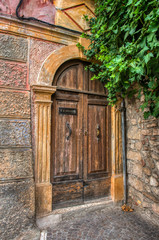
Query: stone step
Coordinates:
[70,213]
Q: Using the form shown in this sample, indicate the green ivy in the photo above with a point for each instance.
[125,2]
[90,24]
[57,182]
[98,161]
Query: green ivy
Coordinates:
[124,50]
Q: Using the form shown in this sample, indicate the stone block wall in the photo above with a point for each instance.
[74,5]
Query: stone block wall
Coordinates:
[20,62]
[17,207]
[143,160]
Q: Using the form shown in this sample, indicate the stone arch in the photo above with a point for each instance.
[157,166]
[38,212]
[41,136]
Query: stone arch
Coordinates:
[55,60]
[42,93]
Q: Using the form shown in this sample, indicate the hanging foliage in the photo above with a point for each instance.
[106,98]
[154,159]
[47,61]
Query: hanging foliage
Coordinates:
[125,40]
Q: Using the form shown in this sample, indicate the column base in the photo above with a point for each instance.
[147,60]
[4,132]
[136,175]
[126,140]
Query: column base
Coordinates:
[43,198]
[117,188]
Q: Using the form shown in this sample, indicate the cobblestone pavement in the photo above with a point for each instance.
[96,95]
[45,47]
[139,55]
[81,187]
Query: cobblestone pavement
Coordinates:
[109,223]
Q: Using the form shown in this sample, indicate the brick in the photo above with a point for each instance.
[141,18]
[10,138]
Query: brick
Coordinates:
[155,208]
[15,133]
[138,145]
[13,74]
[15,103]
[150,163]
[154,143]
[14,48]
[16,163]
[147,171]
[133,133]
[156,132]
[136,183]
[137,170]
[157,166]
[151,197]
[155,190]
[143,163]
[146,180]
[136,156]
[146,132]
[147,188]
[133,121]
[155,156]
[153,182]
[146,205]
[151,125]
[17,209]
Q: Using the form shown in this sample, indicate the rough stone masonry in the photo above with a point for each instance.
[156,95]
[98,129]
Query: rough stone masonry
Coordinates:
[143,160]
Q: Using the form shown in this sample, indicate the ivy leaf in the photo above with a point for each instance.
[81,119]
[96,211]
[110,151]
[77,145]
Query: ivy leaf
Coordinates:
[147,114]
[148,57]
[124,38]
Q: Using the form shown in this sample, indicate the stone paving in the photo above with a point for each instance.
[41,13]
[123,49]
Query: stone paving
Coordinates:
[108,223]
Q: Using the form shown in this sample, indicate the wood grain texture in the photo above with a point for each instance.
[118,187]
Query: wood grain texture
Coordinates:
[81,164]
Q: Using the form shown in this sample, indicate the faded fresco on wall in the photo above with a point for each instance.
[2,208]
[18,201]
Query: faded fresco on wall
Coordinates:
[69,14]
[41,9]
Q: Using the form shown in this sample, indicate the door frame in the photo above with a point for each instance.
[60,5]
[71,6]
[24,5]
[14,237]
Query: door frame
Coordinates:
[41,131]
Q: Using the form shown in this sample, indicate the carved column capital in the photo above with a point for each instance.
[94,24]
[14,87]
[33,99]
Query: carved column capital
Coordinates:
[43,93]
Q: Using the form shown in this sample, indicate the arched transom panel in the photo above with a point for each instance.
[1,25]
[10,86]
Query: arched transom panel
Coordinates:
[73,75]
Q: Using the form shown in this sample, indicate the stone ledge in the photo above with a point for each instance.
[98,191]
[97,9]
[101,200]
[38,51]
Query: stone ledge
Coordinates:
[41,31]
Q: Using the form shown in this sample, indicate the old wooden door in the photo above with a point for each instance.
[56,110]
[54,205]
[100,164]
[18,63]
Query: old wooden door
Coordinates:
[80,168]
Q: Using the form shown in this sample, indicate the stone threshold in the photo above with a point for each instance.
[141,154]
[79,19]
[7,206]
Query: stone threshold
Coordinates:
[68,213]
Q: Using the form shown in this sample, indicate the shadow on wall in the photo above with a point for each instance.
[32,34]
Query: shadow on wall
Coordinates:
[41,9]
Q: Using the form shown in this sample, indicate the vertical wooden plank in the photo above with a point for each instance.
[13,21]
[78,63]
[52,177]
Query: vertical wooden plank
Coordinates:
[85,78]
[80,137]
[80,76]
[85,127]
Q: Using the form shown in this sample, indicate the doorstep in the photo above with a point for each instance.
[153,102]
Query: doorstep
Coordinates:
[56,216]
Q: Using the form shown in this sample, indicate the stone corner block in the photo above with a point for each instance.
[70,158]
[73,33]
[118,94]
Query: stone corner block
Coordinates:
[43,198]
[15,133]
[15,103]
[17,208]
[16,163]
[14,48]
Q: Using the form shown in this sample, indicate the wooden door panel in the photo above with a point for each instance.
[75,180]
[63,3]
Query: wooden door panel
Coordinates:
[66,151]
[96,188]
[68,78]
[66,160]
[81,166]
[96,151]
[67,193]
[96,139]
[95,85]
[71,77]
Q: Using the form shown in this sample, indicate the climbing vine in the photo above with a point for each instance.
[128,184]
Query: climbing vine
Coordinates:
[124,47]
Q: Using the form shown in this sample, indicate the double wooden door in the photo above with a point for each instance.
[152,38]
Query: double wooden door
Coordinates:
[80,143]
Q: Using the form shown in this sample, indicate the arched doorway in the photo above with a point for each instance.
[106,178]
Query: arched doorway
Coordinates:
[81,132]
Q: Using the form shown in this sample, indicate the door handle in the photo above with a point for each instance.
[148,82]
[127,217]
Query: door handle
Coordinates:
[98,131]
[70,130]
